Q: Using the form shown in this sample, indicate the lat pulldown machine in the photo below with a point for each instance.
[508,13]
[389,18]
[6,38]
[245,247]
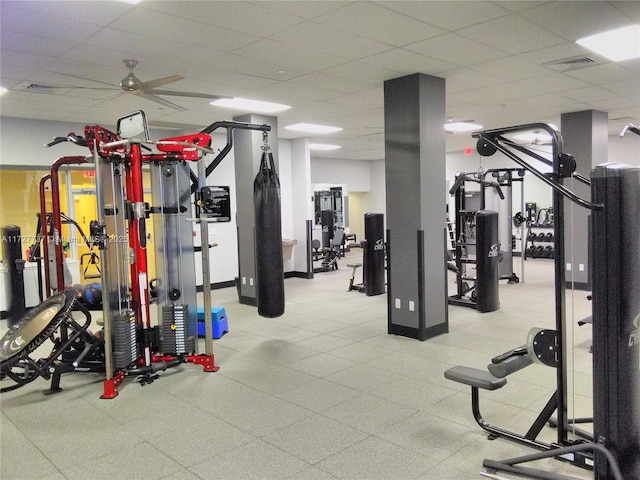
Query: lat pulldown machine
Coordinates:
[612,451]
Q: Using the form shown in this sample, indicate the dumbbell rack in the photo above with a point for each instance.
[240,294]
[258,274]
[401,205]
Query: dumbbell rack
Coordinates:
[539,241]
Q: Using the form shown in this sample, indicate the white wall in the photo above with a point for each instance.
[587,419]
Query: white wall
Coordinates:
[354,173]
[625,149]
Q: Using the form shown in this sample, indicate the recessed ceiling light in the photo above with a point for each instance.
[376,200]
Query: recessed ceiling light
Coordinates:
[312,128]
[458,127]
[616,45]
[323,146]
[3,90]
[250,105]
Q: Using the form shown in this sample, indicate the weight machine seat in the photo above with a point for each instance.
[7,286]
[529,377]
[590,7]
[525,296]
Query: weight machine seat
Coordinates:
[474,378]
[354,265]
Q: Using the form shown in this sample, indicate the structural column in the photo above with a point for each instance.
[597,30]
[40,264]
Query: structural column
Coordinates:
[414,112]
[247,154]
[302,208]
[585,136]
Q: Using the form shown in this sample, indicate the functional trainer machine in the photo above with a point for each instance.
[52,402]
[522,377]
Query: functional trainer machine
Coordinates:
[476,243]
[612,450]
[128,344]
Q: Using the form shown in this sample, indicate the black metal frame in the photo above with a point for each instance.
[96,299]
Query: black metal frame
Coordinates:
[563,165]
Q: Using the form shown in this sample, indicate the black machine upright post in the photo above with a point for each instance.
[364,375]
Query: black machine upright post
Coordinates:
[616,318]
[374,253]
[12,254]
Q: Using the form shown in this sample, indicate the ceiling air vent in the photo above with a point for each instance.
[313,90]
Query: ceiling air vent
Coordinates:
[572,63]
[42,88]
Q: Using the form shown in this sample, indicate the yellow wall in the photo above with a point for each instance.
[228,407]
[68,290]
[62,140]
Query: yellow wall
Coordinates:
[20,204]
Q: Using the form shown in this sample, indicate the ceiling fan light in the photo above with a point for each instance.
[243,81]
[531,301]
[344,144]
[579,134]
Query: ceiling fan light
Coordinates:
[459,127]
[249,105]
[312,128]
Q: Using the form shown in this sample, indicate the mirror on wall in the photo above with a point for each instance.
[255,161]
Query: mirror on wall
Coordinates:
[331,197]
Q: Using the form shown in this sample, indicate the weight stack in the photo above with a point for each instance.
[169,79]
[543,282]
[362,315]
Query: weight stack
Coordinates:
[616,317]
[125,348]
[175,336]
[327,220]
[374,253]
[487,261]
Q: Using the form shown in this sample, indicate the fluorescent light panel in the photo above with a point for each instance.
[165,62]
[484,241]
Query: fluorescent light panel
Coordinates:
[458,127]
[312,128]
[250,105]
[616,45]
[323,146]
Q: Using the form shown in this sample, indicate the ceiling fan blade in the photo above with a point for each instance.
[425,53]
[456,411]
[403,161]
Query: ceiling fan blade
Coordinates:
[114,87]
[159,82]
[161,101]
[177,93]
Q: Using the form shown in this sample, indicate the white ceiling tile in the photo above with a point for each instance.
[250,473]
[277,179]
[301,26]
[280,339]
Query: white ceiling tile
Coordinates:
[603,74]
[574,19]
[511,34]
[619,102]
[234,15]
[511,68]
[630,9]
[455,49]
[406,62]
[449,15]
[378,23]
[282,89]
[334,67]
[552,54]
[315,37]
[290,57]
[465,79]
[45,26]
[332,82]
[93,12]
[625,88]
[364,72]
[302,9]
[588,94]
[11,62]
[157,25]
[557,82]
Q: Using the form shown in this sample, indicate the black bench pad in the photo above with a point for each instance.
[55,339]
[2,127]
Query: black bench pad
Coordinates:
[474,378]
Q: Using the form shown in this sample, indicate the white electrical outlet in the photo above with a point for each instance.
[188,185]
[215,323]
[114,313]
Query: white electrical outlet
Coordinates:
[581,267]
[244,280]
[398,303]
[412,306]
[251,281]
[568,267]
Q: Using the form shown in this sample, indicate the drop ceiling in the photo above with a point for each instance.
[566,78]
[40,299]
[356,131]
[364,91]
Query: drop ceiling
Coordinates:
[505,63]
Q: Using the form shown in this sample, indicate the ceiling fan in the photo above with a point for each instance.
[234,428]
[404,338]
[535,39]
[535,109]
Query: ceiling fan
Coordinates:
[150,90]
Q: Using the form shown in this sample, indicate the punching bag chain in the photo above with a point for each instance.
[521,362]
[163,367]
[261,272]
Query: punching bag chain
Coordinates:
[265,142]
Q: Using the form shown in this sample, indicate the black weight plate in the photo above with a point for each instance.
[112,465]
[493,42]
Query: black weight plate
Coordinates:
[34,328]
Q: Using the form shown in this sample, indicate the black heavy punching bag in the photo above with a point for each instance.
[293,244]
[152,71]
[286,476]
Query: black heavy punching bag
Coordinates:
[269,263]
